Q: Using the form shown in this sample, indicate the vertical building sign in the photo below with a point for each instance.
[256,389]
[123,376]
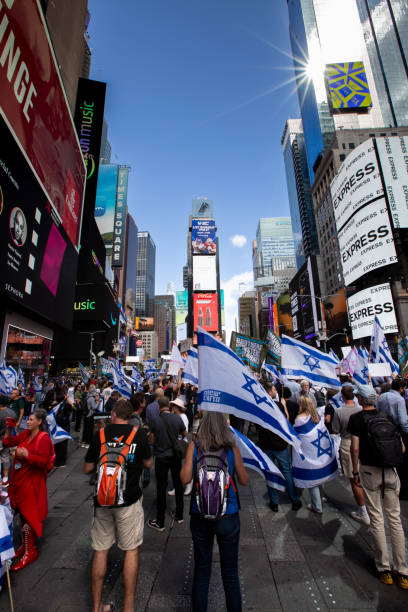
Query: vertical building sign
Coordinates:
[119,225]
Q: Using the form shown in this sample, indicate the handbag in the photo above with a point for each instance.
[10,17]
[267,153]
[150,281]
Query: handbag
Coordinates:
[179,446]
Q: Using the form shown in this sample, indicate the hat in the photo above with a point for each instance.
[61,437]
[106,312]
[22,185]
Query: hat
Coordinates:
[367,392]
[179,402]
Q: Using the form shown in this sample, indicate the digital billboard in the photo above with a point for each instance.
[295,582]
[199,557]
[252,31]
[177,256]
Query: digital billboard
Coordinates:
[34,105]
[347,85]
[94,302]
[144,323]
[335,311]
[119,225]
[393,153]
[106,202]
[366,242]
[203,237]
[367,304]
[202,207]
[205,307]
[204,273]
[181,306]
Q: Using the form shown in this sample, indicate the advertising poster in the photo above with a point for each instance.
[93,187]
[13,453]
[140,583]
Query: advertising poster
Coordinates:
[144,323]
[335,311]
[119,225]
[34,104]
[273,348]
[181,307]
[365,305]
[357,183]
[347,85]
[204,273]
[366,242]
[203,237]
[202,207]
[250,350]
[393,153]
[181,332]
[205,311]
[106,202]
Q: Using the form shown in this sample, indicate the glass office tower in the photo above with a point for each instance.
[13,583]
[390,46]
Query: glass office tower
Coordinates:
[145,275]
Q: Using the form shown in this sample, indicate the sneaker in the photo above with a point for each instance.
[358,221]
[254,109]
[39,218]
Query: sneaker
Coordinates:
[153,524]
[274,507]
[5,483]
[180,521]
[188,488]
[385,577]
[296,505]
[172,492]
[360,517]
[402,581]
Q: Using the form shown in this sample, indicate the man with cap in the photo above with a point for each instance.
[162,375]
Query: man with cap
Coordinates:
[339,424]
[381,488]
[305,391]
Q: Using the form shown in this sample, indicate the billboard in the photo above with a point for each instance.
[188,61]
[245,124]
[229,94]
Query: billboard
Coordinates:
[335,311]
[357,183]
[202,207]
[144,323]
[181,307]
[38,259]
[119,225]
[366,242]
[106,202]
[205,308]
[94,302]
[250,350]
[365,305]
[34,105]
[393,154]
[203,237]
[204,273]
[304,307]
[347,85]
[181,332]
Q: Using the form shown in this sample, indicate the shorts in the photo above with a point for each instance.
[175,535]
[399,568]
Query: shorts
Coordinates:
[127,522]
[345,458]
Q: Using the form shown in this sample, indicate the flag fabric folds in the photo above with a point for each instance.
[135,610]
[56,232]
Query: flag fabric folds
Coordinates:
[176,361]
[190,372]
[225,385]
[6,384]
[333,354]
[255,459]
[379,349]
[56,433]
[299,360]
[137,377]
[84,373]
[319,462]
[360,375]
[120,382]
[272,370]
[6,536]
[348,364]
[36,384]
[20,378]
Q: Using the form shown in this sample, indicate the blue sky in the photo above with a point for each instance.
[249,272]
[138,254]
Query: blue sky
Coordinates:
[195,105]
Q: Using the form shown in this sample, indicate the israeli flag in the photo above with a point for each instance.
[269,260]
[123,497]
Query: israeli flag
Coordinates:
[20,378]
[337,401]
[5,382]
[333,354]
[56,433]
[36,384]
[120,383]
[225,385]
[379,349]
[272,370]
[6,536]
[319,462]
[255,459]
[137,377]
[348,364]
[299,360]
[84,374]
[360,375]
[163,368]
[190,372]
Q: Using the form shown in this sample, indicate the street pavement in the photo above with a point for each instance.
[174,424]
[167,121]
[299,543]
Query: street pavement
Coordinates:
[290,561]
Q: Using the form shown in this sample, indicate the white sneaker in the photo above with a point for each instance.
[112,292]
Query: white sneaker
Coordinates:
[360,517]
[172,492]
[188,488]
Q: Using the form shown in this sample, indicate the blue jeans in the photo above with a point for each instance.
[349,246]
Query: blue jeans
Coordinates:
[282,458]
[227,531]
[316,498]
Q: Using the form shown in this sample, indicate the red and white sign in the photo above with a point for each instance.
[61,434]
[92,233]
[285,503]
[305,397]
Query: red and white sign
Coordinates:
[35,108]
[205,311]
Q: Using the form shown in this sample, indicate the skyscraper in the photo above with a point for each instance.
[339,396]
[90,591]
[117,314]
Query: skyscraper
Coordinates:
[274,254]
[167,320]
[145,275]
[300,199]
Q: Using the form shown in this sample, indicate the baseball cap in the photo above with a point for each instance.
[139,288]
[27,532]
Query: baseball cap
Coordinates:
[367,392]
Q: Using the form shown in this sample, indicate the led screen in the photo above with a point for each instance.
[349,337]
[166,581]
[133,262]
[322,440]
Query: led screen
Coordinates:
[206,311]
[204,273]
[106,202]
[347,85]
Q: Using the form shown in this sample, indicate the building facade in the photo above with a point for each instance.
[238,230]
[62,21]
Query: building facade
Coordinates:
[165,327]
[273,253]
[150,344]
[145,275]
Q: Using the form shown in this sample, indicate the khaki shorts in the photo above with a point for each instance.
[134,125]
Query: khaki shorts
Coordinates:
[345,458]
[126,522]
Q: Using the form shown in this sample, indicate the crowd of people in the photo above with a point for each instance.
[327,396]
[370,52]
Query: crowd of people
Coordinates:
[160,426]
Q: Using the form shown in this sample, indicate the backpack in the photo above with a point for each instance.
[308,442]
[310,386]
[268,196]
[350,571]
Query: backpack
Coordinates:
[212,483]
[111,471]
[51,458]
[384,439]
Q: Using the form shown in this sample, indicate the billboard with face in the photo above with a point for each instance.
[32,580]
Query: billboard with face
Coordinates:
[205,311]
[203,237]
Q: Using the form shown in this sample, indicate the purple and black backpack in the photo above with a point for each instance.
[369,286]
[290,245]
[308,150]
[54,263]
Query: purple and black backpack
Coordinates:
[212,483]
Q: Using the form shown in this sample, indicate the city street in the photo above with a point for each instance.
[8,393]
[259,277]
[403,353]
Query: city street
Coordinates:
[288,561]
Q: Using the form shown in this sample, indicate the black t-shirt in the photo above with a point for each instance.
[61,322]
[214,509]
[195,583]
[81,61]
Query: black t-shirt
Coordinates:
[267,440]
[162,444]
[139,450]
[293,410]
[357,426]
[329,411]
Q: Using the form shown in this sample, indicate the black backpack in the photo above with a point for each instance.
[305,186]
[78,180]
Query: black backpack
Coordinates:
[384,439]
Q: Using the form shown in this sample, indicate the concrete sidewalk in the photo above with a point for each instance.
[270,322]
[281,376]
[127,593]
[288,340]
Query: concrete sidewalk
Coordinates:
[290,561]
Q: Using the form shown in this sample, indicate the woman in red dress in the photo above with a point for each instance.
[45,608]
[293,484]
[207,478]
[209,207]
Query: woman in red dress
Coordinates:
[34,457]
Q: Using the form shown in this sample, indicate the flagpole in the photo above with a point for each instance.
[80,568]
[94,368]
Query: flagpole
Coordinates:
[9,587]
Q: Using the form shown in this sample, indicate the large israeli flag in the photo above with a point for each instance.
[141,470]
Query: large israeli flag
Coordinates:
[84,374]
[255,459]
[379,349]
[5,380]
[190,372]
[299,360]
[360,375]
[225,385]
[318,462]
[36,384]
[120,383]
[56,433]
[137,377]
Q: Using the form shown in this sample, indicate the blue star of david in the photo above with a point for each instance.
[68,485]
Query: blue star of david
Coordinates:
[311,362]
[248,387]
[317,443]
[384,344]
[364,372]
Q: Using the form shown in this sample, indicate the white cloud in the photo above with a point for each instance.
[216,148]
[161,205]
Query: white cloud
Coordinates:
[238,241]
[232,291]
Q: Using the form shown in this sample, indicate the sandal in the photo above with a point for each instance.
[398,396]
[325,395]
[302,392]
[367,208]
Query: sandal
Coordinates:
[310,507]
